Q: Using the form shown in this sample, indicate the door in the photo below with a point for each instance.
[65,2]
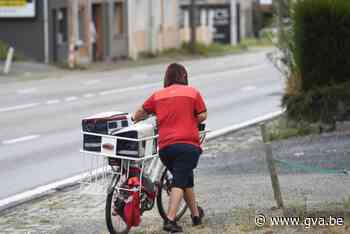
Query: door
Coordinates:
[54,36]
[98,45]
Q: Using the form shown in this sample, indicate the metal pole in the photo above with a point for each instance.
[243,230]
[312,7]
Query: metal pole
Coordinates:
[150,22]
[74,5]
[46,31]
[9,58]
[193,26]
[133,51]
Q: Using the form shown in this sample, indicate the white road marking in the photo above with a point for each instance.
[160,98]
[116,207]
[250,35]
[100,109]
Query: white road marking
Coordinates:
[298,154]
[128,89]
[46,189]
[209,156]
[89,95]
[224,74]
[21,139]
[51,102]
[70,99]
[248,88]
[19,107]
[91,82]
[139,76]
[113,91]
[27,91]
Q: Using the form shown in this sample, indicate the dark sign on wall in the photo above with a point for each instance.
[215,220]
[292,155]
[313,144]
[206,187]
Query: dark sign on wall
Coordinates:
[221,23]
[220,17]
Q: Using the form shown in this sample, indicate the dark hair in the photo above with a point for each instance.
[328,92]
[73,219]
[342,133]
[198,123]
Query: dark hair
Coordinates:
[175,74]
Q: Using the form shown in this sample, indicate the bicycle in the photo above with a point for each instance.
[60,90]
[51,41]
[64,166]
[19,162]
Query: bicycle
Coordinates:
[138,182]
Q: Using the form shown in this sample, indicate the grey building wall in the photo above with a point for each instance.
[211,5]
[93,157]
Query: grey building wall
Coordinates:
[26,35]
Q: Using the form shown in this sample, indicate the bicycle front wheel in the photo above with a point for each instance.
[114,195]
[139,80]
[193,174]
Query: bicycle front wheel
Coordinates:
[164,195]
[115,222]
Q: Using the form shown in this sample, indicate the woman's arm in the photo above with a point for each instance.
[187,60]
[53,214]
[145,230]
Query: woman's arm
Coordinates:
[139,115]
[202,117]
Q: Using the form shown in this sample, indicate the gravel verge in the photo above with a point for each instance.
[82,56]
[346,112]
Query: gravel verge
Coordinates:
[232,183]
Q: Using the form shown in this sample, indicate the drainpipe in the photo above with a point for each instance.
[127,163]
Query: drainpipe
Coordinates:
[150,25]
[131,40]
[234,23]
[193,34]
[73,29]
[46,31]
[108,29]
[87,27]
[152,34]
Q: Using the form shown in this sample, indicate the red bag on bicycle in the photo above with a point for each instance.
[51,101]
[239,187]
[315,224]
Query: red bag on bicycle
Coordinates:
[132,212]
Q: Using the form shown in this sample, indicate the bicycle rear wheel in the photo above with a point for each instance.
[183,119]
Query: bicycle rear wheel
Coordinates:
[115,222]
[164,195]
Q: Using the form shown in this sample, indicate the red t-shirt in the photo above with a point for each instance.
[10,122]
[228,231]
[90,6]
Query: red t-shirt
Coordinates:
[176,108]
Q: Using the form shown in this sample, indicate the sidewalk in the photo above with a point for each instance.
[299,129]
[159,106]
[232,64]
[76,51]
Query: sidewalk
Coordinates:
[233,185]
[21,71]
[25,71]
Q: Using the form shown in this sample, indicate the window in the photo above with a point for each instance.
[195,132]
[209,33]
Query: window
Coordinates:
[170,11]
[182,17]
[119,17]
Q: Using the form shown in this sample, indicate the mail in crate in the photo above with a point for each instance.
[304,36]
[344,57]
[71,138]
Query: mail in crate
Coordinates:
[118,124]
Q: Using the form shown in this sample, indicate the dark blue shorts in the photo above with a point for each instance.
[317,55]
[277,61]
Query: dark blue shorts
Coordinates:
[180,160]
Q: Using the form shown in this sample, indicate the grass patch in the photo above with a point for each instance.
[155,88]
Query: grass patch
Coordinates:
[283,128]
[4,47]
[253,42]
[44,221]
[202,50]
[346,202]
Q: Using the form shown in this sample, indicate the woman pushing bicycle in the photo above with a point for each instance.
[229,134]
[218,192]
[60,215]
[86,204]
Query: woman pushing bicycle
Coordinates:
[179,109]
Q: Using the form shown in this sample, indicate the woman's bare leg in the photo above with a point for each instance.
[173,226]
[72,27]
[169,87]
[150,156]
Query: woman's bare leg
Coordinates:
[190,199]
[176,196]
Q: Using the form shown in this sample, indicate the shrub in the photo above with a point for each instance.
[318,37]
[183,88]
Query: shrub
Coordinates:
[318,88]
[321,34]
[213,49]
[4,47]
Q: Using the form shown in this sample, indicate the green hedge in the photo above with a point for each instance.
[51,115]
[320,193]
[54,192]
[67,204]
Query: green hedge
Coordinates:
[321,31]
[318,89]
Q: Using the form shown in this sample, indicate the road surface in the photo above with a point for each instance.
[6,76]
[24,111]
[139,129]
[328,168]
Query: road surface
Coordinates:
[40,120]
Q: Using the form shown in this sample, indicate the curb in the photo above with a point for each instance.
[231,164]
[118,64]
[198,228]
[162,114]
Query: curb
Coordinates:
[48,189]
[246,124]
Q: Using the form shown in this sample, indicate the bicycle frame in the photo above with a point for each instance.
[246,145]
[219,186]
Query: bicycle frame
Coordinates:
[154,169]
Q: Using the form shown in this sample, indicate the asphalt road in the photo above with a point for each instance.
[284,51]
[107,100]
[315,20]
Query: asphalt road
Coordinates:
[40,120]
